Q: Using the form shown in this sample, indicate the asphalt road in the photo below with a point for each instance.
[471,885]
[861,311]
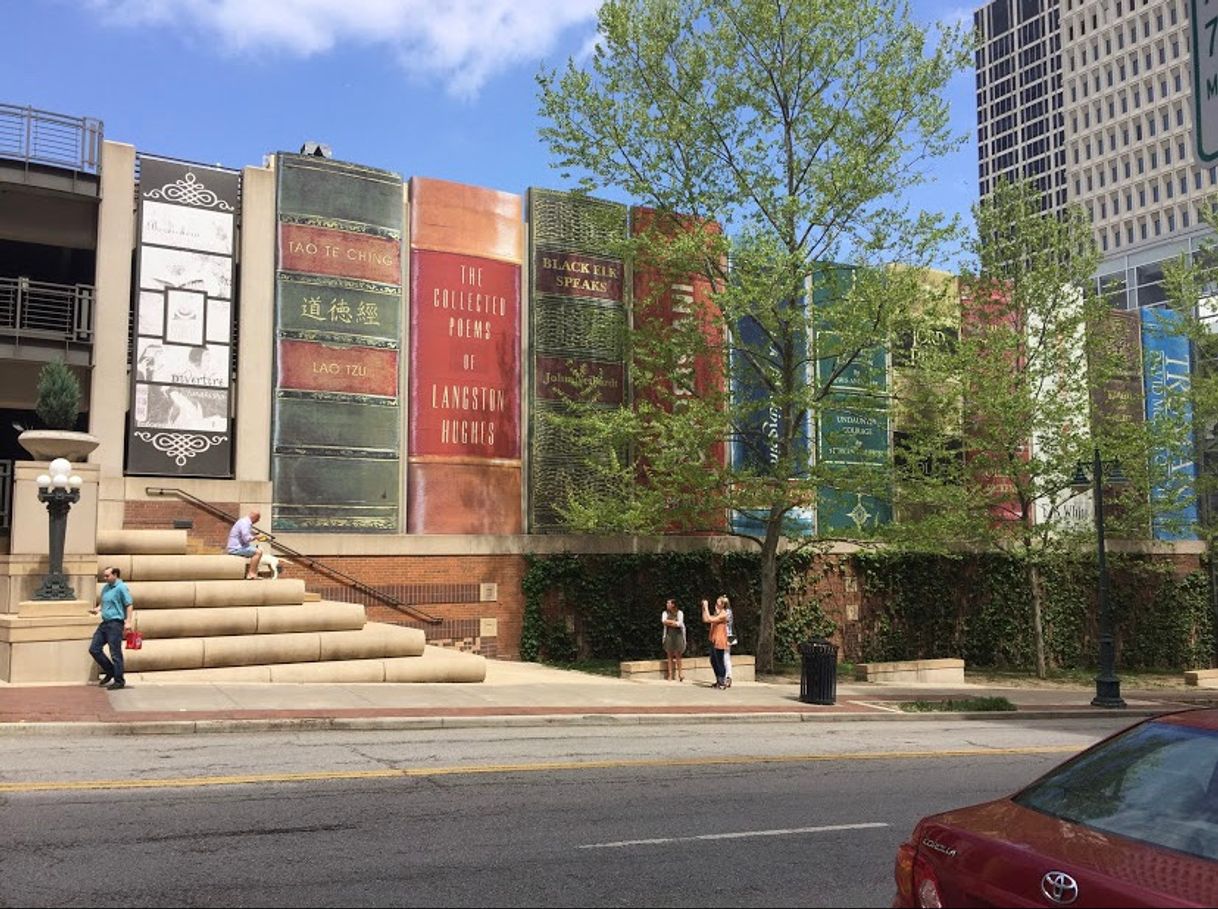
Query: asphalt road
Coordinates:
[692,816]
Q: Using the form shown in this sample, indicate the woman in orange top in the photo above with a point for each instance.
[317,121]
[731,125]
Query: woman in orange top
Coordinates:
[718,640]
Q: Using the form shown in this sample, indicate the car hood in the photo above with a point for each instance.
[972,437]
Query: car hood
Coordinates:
[998,853]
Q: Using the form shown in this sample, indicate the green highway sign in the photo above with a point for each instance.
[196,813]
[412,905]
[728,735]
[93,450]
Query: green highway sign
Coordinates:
[1205,77]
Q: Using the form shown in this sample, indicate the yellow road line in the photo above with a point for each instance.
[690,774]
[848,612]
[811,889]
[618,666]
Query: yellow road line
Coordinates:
[247,779]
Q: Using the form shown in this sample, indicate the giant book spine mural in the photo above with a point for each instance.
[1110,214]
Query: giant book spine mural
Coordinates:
[577,334]
[1165,350]
[182,377]
[677,302]
[337,423]
[755,449]
[466,248]
[853,438]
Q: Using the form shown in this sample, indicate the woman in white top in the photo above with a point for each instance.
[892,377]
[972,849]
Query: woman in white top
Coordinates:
[673,621]
[725,606]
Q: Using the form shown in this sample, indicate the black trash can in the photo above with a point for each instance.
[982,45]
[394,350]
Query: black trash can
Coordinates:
[818,680]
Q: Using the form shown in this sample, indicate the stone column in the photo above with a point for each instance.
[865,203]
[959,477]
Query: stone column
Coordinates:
[109,388]
[257,326]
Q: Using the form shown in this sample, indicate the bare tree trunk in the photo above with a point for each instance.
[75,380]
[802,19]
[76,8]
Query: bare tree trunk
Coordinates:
[769,593]
[1038,628]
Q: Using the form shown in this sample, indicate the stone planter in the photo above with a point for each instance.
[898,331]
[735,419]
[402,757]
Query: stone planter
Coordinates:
[47,444]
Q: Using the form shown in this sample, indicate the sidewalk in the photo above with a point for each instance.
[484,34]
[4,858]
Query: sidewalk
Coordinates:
[515,694]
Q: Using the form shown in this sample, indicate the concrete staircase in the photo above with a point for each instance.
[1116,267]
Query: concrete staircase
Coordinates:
[202,621]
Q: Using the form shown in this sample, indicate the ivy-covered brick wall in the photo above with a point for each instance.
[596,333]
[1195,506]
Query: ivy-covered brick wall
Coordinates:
[875,606]
[979,608]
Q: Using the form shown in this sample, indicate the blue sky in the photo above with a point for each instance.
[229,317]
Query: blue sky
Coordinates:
[422,87]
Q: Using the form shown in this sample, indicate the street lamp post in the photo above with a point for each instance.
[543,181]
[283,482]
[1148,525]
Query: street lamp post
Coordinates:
[59,492]
[1107,685]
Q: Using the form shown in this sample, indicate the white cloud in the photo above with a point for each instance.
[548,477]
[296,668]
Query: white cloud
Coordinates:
[461,43]
[958,16]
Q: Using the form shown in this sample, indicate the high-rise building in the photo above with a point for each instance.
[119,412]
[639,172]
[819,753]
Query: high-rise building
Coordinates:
[1093,100]
[1020,124]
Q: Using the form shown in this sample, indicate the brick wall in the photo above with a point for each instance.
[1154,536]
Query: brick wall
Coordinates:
[446,587]
[208,534]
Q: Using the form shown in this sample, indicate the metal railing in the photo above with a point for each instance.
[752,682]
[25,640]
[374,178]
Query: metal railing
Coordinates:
[42,137]
[316,564]
[40,309]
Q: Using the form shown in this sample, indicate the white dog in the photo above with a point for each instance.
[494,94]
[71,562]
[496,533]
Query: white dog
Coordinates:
[269,562]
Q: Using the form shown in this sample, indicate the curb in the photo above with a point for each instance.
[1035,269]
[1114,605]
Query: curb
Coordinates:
[397,723]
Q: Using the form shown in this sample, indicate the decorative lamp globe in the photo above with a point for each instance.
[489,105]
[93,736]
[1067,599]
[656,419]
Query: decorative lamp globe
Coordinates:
[60,467]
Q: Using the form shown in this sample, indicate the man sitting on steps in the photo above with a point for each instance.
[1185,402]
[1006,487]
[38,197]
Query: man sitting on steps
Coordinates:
[241,543]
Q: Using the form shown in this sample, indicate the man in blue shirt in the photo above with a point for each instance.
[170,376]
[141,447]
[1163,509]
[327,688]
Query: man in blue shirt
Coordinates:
[241,542]
[115,606]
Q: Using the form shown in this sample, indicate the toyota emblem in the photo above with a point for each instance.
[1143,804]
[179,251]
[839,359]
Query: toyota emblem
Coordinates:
[1059,887]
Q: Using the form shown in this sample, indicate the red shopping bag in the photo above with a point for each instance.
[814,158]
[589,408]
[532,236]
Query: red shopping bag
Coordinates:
[135,640]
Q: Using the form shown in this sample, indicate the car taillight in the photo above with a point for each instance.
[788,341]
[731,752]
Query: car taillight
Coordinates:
[903,872]
[925,885]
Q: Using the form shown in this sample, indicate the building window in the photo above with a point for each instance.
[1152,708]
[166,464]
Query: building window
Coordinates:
[1171,221]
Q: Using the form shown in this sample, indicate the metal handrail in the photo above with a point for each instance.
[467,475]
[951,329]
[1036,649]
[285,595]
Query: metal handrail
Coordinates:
[43,137]
[41,309]
[309,561]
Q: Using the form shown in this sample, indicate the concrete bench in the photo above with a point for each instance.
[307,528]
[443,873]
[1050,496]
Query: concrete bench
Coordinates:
[1202,678]
[945,672]
[697,669]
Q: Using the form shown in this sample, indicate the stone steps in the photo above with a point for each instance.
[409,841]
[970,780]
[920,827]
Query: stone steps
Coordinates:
[373,641]
[202,621]
[231,620]
[208,594]
[436,664]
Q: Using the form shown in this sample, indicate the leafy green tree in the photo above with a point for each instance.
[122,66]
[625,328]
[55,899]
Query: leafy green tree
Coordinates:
[796,126]
[1041,375]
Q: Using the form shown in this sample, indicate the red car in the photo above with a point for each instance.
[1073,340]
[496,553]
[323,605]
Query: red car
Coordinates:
[1132,821]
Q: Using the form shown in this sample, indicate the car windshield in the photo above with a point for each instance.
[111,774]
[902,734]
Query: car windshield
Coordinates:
[1157,783]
